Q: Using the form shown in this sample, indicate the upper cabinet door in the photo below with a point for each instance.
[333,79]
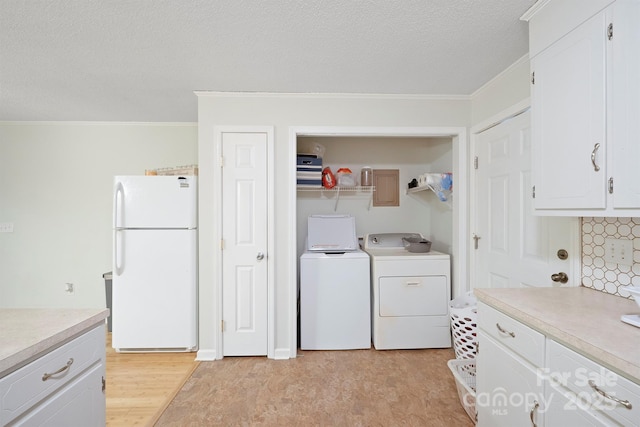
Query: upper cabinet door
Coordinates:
[625,115]
[569,116]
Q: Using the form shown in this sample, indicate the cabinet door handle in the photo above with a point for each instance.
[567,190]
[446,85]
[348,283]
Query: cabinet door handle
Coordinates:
[46,376]
[593,157]
[624,403]
[536,405]
[504,331]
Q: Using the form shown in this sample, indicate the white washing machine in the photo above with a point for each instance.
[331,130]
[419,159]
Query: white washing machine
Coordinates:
[335,295]
[410,294]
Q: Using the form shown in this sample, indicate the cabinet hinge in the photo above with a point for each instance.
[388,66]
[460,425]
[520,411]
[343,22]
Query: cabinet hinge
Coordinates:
[221,244]
[533,191]
[611,185]
[475,162]
[533,78]
[104,384]
[610,31]
[221,161]
[222,325]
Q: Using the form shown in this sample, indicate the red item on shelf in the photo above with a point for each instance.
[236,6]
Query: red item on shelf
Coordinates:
[328,179]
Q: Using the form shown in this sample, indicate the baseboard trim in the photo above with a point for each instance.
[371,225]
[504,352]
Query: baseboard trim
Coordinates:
[206,355]
[282,354]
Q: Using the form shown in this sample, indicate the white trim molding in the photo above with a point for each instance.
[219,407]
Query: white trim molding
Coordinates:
[206,355]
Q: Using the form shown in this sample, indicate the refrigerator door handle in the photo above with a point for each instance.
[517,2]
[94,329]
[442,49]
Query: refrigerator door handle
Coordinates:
[117,210]
[117,261]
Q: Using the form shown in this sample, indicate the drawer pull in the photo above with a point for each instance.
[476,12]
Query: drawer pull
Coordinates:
[413,283]
[624,403]
[64,368]
[504,331]
[536,405]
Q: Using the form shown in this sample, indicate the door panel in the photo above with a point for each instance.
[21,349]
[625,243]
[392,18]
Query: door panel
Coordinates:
[515,248]
[244,231]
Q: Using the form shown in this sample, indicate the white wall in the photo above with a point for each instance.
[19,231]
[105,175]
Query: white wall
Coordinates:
[283,112]
[508,88]
[55,186]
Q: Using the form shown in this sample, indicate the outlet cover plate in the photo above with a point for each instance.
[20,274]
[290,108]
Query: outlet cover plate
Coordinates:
[618,251]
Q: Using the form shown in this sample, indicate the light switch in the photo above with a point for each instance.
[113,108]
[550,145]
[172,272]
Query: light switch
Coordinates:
[6,227]
[619,251]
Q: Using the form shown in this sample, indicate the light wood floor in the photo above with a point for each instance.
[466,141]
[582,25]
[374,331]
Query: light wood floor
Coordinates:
[141,385]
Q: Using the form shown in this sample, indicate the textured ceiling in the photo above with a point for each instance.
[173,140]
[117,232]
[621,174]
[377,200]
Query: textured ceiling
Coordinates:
[141,60]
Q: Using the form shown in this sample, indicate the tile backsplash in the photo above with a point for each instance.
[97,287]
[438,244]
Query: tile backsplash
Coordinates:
[606,276]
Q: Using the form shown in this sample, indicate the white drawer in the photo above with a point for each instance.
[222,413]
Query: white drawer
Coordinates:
[25,387]
[573,371]
[413,296]
[516,336]
[81,403]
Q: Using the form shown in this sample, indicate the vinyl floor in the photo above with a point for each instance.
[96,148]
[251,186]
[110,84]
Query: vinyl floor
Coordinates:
[322,388]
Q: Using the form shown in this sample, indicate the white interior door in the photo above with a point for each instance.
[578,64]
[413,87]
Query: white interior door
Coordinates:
[510,246]
[244,250]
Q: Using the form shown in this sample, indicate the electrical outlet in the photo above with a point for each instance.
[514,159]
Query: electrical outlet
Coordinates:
[619,251]
[6,227]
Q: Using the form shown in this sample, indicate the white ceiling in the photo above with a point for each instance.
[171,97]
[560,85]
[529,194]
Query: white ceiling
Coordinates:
[141,60]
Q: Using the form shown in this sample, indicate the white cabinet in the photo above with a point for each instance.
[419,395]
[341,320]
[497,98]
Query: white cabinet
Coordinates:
[62,387]
[585,107]
[568,115]
[599,394]
[566,410]
[509,388]
[625,121]
[525,378]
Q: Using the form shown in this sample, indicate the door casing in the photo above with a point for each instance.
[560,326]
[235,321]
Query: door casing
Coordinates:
[460,171]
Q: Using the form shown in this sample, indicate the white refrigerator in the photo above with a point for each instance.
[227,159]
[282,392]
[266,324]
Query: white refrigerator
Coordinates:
[154,281]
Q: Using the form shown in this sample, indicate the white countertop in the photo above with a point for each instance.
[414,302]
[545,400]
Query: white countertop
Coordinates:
[583,319]
[26,333]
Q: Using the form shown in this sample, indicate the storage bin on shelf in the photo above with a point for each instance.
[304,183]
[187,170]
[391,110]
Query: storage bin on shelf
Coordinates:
[464,373]
[463,312]
[309,171]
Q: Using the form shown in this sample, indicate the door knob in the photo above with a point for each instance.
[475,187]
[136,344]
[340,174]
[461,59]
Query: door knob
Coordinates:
[560,277]
[260,256]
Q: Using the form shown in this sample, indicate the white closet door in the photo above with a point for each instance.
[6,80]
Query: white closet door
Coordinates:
[244,254]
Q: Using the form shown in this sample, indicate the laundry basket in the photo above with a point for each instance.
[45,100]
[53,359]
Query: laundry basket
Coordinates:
[464,372]
[463,312]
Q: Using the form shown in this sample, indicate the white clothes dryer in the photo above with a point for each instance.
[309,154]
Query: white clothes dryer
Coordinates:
[410,294]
